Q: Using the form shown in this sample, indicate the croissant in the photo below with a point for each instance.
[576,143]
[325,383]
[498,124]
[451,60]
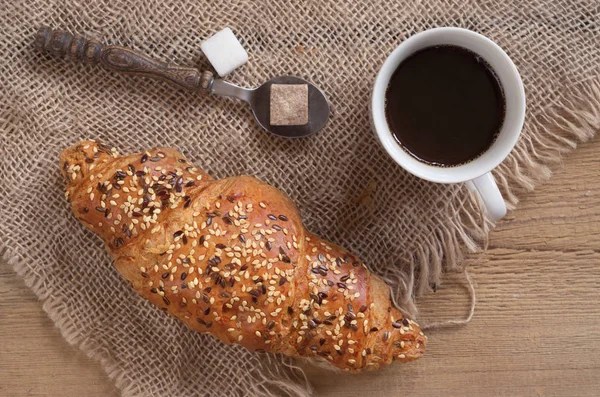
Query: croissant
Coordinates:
[231,258]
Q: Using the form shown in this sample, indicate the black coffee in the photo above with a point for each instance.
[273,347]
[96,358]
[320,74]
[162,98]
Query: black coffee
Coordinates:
[444,105]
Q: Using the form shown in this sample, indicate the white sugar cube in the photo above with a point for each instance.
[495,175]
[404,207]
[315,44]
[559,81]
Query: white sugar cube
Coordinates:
[224,52]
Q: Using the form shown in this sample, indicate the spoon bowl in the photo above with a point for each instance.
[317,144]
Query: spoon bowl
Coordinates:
[259,100]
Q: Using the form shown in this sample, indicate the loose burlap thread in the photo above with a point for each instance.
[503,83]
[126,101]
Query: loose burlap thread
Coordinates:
[409,231]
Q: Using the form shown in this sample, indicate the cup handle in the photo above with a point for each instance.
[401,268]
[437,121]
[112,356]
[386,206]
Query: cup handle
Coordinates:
[490,196]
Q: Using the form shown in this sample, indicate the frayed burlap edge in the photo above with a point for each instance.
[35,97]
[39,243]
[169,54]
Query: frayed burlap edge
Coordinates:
[555,131]
[574,118]
[272,379]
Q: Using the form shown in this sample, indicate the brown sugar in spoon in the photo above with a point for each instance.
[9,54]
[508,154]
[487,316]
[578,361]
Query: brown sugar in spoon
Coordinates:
[125,60]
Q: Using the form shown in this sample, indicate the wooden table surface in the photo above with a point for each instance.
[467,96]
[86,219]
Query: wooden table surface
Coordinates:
[536,330]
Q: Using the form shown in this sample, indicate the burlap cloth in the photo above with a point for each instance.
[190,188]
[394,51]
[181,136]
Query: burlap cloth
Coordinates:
[347,188]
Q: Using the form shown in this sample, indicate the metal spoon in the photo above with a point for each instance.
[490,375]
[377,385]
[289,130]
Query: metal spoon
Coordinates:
[125,60]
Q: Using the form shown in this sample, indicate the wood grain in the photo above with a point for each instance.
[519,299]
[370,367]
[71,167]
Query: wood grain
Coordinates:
[536,330]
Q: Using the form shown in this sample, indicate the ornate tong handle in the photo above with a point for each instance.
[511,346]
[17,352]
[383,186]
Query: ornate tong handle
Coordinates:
[120,59]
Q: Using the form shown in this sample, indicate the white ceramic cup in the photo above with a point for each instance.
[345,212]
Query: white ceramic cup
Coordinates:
[476,173]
